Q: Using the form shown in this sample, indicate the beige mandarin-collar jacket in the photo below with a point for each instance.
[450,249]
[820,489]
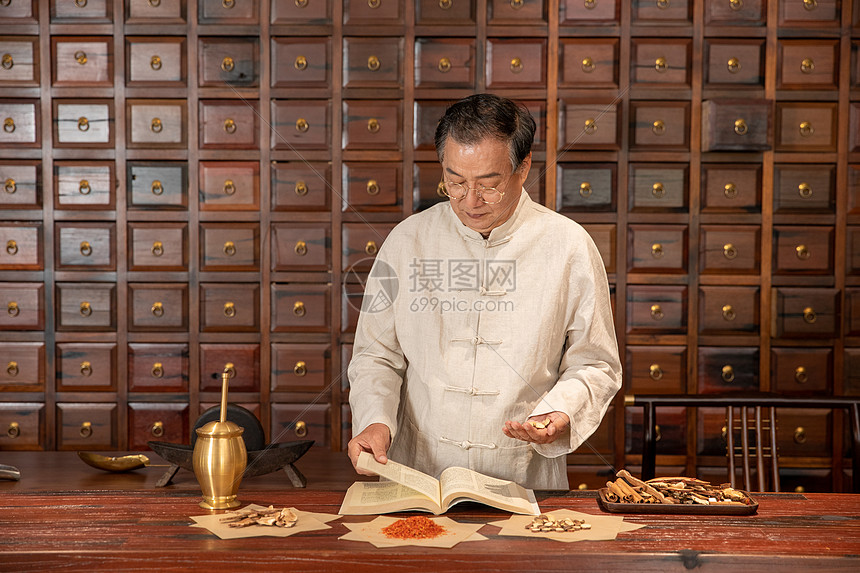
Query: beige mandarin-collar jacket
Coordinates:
[459,333]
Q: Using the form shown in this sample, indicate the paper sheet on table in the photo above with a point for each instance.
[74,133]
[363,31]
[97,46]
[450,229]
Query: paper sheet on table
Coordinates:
[307,521]
[371,532]
[603,527]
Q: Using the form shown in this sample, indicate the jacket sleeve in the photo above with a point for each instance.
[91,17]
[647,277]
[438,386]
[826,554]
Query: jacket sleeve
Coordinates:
[377,367]
[590,368]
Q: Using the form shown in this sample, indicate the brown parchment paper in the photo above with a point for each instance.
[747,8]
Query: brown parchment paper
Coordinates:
[603,527]
[371,532]
[307,521]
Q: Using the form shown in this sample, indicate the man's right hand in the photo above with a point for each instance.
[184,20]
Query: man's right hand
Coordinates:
[374,439]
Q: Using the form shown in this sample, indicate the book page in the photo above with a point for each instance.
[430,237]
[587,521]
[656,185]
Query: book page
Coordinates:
[461,483]
[372,498]
[419,481]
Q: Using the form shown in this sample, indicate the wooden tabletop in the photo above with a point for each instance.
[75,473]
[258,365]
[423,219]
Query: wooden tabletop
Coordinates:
[141,527]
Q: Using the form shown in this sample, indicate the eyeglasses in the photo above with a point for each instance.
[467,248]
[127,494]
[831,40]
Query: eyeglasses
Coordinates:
[458,191]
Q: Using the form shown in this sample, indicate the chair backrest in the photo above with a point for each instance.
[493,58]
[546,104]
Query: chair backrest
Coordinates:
[758,423]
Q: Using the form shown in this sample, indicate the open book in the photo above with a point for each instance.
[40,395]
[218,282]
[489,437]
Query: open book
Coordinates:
[408,489]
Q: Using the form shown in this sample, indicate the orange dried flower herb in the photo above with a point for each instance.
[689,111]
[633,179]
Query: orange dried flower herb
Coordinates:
[418,527]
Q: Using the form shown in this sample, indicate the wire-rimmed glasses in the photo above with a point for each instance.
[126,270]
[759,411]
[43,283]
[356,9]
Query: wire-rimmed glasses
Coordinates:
[458,191]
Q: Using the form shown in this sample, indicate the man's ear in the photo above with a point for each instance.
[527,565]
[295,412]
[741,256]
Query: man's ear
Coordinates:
[525,166]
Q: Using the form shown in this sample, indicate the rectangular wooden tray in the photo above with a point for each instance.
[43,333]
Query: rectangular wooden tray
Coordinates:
[674,508]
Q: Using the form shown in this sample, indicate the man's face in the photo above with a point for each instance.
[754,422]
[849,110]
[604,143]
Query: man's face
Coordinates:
[483,164]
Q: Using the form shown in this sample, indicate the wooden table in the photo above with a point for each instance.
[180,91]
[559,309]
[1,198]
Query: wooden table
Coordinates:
[137,528]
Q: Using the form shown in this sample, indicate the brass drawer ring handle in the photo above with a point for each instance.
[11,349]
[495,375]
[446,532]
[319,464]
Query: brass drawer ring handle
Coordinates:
[155,63]
[741,127]
[802,252]
[373,125]
[83,124]
[370,248]
[8,62]
[230,126]
[301,188]
[86,309]
[12,369]
[588,65]
[81,57]
[229,248]
[658,190]
[14,430]
[516,65]
[11,186]
[804,190]
[809,316]
[157,249]
[444,65]
[806,129]
[657,312]
[658,127]
[84,187]
[229,309]
[157,370]
[157,310]
[156,126]
[301,63]
[299,308]
[12,247]
[730,251]
[727,373]
[655,372]
[301,248]
[229,187]
[301,427]
[733,65]
[801,376]
[227,64]
[302,125]
[9,125]
[157,429]
[86,248]
[657,250]
[728,313]
[157,188]
[86,369]
[86,429]
[373,63]
[372,187]
[300,369]
[585,189]
[12,309]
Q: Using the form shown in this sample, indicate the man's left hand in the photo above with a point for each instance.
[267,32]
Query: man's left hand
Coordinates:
[558,425]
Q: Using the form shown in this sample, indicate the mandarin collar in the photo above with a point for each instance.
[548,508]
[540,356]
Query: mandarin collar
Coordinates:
[501,234]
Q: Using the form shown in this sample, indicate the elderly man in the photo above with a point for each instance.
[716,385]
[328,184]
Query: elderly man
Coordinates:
[482,315]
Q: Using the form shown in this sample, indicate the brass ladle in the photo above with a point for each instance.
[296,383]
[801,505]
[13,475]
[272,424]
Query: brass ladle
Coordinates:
[116,464]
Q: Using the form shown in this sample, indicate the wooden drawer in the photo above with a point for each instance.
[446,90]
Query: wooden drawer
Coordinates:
[21,306]
[292,12]
[602,441]
[229,186]
[445,62]
[156,12]
[361,242]
[727,13]
[444,12]
[852,264]
[670,430]
[304,186]
[228,124]
[372,62]
[803,250]
[804,432]
[736,125]
[301,246]
[22,367]
[236,12]
[361,13]
[662,11]
[156,124]
[657,248]
[584,13]
[427,116]
[22,185]
[301,62]
[371,186]
[588,63]
[245,374]
[301,124]
[371,125]
[86,306]
[735,188]
[728,309]
[19,65]
[582,477]
[589,125]
[20,123]
[22,425]
[155,61]
[852,371]
[157,367]
[89,11]
[516,12]
[83,123]
[586,187]
[230,307]
[603,236]
[230,61]
[660,126]
[301,367]
[802,370]
[658,188]
[161,185]
[728,370]
[513,63]
[656,309]
[426,185]
[711,435]
[157,246]
[86,367]
[291,422]
[86,426]
[734,62]
[805,312]
[807,127]
[158,307]
[82,61]
[163,422]
[22,12]
[301,307]
[663,61]
[852,311]
[804,188]
[656,369]
[229,246]
[88,186]
[810,14]
[85,246]
[808,64]
[21,246]
[730,249]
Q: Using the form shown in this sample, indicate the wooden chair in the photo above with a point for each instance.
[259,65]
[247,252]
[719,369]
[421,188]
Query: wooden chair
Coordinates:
[755,418]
